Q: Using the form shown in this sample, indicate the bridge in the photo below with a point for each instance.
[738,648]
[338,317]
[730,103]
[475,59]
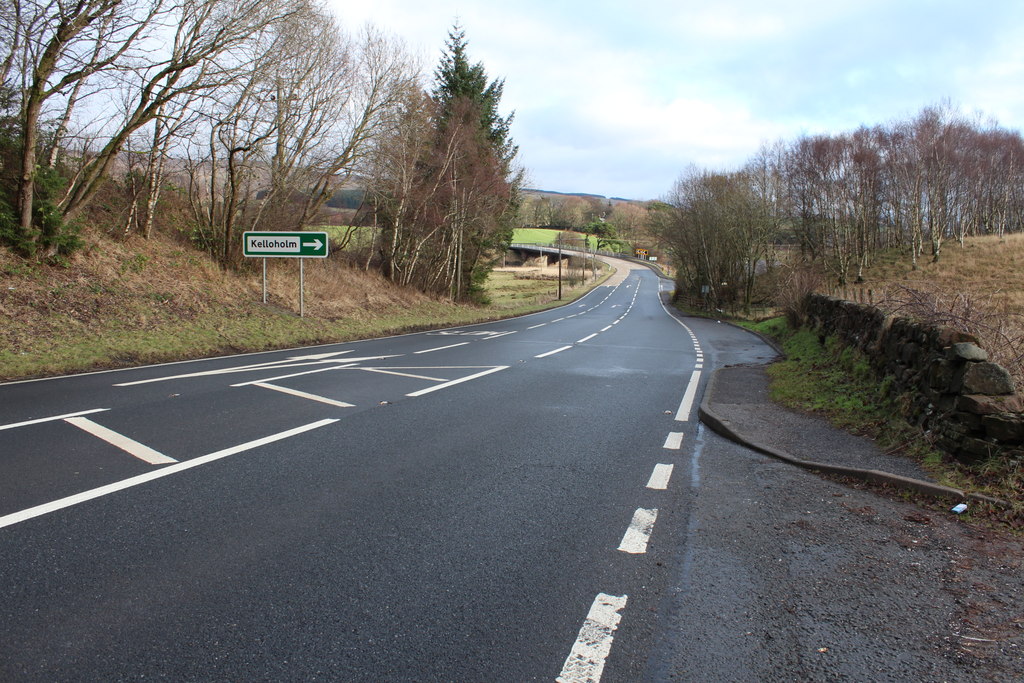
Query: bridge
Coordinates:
[556,253]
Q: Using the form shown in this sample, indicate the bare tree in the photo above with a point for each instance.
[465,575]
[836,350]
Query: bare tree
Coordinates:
[121,42]
[291,131]
[54,47]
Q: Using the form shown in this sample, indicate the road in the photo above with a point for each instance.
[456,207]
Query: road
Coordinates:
[525,500]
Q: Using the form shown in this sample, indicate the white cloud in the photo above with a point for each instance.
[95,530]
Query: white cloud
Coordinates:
[617,99]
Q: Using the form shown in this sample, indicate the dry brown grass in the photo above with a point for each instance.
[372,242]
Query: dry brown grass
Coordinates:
[977,288]
[138,284]
[126,302]
[990,267]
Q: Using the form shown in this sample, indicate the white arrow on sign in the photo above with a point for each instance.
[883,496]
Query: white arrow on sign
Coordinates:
[316,244]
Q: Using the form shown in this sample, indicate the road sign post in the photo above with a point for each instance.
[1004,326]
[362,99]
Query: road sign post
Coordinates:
[300,245]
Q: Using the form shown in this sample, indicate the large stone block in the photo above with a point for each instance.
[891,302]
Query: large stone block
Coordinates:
[1005,428]
[990,405]
[965,351]
[987,378]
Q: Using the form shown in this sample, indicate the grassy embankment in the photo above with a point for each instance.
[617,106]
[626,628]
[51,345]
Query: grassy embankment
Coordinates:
[131,302]
[838,384]
[982,280]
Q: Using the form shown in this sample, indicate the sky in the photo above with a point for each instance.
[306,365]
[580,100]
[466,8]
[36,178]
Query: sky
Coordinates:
[619,99]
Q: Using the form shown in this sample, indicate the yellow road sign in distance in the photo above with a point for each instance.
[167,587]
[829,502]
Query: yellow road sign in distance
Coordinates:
[285,244]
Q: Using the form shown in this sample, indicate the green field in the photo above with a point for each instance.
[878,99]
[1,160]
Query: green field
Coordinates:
[357,236]
[570,239]
[361,237]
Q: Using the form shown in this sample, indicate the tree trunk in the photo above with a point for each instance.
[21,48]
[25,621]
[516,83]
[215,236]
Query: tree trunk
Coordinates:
[26,179]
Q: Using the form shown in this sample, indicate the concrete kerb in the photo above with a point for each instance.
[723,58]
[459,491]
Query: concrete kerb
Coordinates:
[722,427]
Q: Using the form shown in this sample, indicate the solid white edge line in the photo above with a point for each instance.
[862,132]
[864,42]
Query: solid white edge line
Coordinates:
[585,662]
[126,444]
[660,477]
[674,441]
[686,407]
[551,353]
[46,508]
[440,348]
[421,392]
[303,394]
[41,420]
[634,541]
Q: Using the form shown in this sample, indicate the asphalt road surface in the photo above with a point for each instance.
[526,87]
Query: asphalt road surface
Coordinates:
[526,500]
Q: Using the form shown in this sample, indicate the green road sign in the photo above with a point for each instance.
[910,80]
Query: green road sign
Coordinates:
[285,244]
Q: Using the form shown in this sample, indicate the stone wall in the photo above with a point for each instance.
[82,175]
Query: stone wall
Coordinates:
[967,404]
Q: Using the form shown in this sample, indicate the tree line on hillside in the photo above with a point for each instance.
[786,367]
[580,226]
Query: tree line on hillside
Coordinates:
[837,201]
[622,221]
[234,115]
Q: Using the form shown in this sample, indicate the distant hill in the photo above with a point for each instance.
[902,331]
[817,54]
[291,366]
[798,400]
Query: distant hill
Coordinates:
[582,195]
[351,196]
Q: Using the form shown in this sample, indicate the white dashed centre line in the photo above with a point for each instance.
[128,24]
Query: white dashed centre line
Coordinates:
[639,531]
[551,353]
[660,476]
[674,441]
[585,662]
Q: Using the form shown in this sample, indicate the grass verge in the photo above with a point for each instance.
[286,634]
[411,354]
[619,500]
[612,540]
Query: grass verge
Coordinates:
[838,383]
[66,321]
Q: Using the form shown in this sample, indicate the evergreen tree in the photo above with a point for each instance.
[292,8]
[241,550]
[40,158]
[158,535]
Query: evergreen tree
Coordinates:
[445,191]
[457,79]
[483,188]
